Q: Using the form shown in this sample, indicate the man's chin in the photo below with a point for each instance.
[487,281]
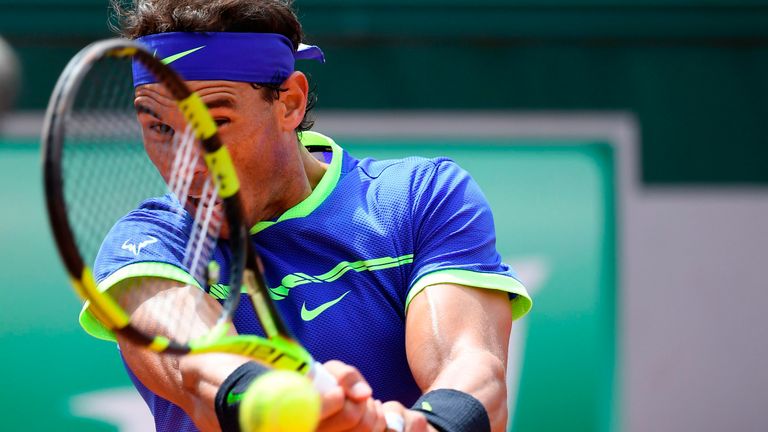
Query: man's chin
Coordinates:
[224,231]
[193,208]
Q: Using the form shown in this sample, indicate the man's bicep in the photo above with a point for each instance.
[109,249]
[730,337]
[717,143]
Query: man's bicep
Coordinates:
[448,320]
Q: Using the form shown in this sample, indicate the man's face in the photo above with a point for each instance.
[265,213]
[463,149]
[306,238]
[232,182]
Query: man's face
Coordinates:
[247,126]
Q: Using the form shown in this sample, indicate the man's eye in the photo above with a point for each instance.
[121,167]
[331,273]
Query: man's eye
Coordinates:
[161,128]
[222,121]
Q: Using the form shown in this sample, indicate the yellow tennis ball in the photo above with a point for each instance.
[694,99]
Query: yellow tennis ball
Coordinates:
[280,401]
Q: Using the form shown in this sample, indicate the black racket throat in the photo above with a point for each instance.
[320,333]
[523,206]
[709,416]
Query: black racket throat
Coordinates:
[266,309]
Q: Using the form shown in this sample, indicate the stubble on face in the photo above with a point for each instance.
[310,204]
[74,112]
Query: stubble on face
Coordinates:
[268,160]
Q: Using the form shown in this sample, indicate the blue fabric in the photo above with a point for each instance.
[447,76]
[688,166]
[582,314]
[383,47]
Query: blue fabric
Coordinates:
[264,58]
[164,228]
[428,208]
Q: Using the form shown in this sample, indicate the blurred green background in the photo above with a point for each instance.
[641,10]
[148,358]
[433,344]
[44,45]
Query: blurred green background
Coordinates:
[694,72]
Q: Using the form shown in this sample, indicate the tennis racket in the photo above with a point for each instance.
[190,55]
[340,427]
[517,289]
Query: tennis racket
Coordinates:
[96,171]
[103,169]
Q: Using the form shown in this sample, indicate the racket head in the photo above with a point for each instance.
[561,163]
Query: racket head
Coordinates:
[99,163]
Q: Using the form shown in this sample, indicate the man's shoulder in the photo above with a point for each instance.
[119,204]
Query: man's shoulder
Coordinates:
[154,216]
[412,169]
[152,231]
[161,209]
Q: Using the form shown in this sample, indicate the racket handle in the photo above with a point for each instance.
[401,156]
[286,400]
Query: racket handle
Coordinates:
[325,382]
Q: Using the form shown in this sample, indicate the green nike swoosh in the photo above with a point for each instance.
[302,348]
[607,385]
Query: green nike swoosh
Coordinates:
[309,315]
[233,398]
[173,58]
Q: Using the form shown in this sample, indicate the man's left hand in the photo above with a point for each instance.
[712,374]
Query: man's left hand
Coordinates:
[350,406]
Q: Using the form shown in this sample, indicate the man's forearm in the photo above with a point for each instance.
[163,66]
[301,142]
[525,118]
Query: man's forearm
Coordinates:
[457,338]
[191,382]
[482,376]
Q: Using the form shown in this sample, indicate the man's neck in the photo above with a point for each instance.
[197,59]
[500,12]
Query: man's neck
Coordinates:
[314,167]
[299,184]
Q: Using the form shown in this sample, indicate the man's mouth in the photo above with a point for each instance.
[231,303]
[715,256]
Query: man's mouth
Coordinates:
[197,200]
[199,209]
[197,203]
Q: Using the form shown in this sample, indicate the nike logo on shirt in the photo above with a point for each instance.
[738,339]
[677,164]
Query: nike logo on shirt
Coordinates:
[309,315]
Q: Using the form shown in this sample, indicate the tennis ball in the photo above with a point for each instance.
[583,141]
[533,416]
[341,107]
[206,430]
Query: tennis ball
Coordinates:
[280,401]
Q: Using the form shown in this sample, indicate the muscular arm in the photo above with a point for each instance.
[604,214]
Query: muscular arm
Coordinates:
[190,382]
[457,337]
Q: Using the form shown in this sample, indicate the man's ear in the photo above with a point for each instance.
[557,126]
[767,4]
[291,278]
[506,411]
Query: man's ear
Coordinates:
[293,101]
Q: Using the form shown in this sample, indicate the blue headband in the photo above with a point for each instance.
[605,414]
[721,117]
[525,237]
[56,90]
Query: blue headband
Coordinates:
[265,58]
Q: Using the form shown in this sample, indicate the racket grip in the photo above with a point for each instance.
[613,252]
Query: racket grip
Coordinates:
[325,382]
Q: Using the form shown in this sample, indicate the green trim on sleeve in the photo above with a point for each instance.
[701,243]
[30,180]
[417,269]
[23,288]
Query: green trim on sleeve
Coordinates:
[93,327]
[322,190]
[520,304]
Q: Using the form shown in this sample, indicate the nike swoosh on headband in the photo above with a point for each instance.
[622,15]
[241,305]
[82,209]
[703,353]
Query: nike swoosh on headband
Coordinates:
[172,58]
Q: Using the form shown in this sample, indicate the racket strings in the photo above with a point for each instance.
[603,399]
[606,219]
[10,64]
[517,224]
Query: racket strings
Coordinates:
[197,195]
[204,232]
[104,167]
[208,218]
[107,174]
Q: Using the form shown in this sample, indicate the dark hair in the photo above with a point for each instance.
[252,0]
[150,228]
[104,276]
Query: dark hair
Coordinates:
[147,17]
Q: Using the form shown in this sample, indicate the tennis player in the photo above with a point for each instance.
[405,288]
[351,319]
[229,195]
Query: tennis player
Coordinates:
[385,270]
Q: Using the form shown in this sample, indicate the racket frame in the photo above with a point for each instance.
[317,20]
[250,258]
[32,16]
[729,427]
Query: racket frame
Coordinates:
[102,305]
